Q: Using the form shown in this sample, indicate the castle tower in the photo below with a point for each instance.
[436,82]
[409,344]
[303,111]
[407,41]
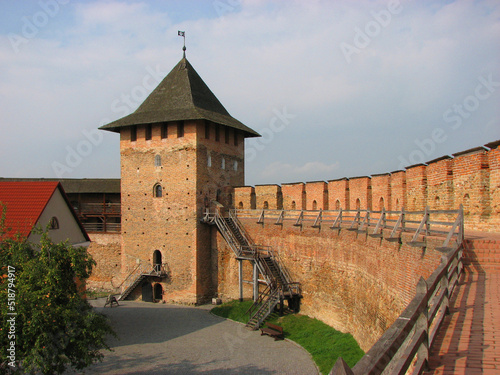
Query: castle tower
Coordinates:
[180,151]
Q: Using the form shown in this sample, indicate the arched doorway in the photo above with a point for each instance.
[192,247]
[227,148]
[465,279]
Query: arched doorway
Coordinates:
[157,292]
[147,292]
[157,260]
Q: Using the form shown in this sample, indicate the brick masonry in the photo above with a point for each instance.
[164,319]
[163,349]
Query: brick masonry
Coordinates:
[193,171]
[355,283]
[105,249]
[470,178]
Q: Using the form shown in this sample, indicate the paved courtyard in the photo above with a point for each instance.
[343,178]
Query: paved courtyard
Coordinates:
[169,339]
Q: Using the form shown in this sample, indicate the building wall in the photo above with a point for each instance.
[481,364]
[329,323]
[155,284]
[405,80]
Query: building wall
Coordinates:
[352,282]
[105,249]
[68,226]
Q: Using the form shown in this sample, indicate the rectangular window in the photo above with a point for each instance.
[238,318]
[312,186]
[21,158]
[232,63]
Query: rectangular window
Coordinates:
[180,129]
[149,132]
[133,133]
[226,135]
[207,130]
[235,133]
[164,130]
[217,132]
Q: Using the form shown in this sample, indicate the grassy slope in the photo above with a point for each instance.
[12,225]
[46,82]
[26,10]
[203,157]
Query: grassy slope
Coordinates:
[324,343]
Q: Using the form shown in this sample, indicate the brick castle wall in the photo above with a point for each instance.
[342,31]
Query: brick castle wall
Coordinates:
[353,282]
[105,249]
[470,178]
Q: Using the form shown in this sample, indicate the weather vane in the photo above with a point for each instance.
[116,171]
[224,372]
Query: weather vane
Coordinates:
[183,34]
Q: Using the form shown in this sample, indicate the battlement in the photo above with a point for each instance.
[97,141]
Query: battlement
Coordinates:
[470,178]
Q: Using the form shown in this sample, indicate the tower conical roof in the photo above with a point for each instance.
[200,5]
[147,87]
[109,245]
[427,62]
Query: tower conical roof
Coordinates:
[182,95]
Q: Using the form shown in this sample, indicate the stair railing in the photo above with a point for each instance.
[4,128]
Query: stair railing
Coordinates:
[244,233]
[227,233]
[137,272]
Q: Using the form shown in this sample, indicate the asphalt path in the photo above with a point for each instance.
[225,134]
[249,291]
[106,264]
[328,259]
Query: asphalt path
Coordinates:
[170,339]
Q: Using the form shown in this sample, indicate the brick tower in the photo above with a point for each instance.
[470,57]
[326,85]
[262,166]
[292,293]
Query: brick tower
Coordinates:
[180,150]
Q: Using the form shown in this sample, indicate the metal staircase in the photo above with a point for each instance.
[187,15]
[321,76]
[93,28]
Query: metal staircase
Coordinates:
[264,306]
[142,271]
[278,280]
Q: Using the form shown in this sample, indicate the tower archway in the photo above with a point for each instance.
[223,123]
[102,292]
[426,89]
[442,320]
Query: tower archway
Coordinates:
[157,292]
[147,292]
[157,260]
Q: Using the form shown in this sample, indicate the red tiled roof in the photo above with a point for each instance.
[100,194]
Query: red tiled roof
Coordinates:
[25,202]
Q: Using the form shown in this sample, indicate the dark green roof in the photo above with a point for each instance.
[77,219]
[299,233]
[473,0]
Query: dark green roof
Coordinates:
[182,95]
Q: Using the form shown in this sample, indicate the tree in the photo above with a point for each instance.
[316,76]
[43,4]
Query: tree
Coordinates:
[42,303]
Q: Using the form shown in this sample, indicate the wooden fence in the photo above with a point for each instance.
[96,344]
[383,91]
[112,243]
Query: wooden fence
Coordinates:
[404,347]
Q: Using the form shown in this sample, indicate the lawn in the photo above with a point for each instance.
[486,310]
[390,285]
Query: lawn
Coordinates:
[324,343]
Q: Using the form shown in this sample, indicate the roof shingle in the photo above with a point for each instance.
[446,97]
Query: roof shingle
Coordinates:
[182,95]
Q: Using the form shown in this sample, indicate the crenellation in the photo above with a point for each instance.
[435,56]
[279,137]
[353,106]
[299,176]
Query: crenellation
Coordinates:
[294,196]
[381,192]
[268,197]
[338,194]
[470,178]
[360,193]
[317,195]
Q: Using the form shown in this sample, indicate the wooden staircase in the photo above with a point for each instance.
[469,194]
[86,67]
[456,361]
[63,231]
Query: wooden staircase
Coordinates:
[279,283]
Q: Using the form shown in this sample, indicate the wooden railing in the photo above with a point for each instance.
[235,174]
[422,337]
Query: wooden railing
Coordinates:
[404,347]
[102,227]
[99,208]
[447,224]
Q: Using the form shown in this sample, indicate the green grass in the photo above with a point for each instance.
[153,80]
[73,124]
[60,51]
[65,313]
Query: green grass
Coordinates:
[324,343]
[234,310]
[92,294]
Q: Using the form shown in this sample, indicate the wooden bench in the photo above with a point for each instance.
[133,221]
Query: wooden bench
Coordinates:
[110,300]
[272,330]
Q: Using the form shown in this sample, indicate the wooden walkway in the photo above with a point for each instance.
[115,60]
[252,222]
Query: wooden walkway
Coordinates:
[469,340]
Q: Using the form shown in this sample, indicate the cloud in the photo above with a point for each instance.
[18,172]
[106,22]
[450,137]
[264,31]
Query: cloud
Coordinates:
[257,57]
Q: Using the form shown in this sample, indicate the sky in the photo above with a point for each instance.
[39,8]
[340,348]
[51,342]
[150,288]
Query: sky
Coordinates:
[335,88]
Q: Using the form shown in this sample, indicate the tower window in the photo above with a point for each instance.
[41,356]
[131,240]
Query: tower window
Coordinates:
[164,130]
[207,130]
[133,133]
[293,205]
[157,161]
[180,129]
[149,132]
[226,135]
[209,160]
[315,205]
[53,223]
[157,191]
[235,165]
[223,163]
[240,205]
[217,132]
[265,205]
